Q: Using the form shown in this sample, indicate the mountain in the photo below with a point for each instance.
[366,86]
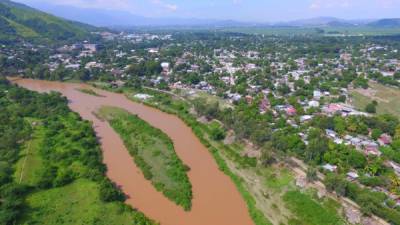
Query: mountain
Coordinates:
[386,23]
[116,18]
[324,22]
[318,21]
[21,22]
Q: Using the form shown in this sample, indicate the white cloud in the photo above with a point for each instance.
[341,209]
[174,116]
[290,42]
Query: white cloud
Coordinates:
[326,4]
[167,6]
[115,4]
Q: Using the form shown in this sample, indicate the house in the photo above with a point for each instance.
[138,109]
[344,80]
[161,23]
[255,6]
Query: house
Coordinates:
[396,167]
[352,176]
[73,66]
[142,96]
[249,99]
[338,141]
[313,103]
[317,95]
[305,118]
[264,105]
[290,111]
[332,108]
[372,150]
[165,66]
[153,50]
[250,67]
[117,84]
[355,141]
[329,167]
[385,139]
[91,47]
[330,133]
[90,65]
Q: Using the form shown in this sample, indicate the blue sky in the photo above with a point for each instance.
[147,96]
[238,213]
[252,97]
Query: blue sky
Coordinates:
[245,10]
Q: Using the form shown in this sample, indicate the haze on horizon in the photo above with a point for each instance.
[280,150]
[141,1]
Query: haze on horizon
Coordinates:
[242,10]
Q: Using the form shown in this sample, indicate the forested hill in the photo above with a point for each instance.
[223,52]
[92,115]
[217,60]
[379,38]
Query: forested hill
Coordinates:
[20,22]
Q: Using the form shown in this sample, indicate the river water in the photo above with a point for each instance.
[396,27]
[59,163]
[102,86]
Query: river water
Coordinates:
[216,200]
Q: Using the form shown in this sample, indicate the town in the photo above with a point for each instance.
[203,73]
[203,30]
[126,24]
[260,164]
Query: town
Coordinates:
[291,95]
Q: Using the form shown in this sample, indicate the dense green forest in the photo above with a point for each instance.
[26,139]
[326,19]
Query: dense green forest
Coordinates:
[51,169]
[18,21]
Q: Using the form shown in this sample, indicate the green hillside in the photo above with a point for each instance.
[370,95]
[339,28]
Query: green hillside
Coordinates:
[20,22]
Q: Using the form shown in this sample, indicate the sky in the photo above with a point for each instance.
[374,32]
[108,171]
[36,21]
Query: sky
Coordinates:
[244,10]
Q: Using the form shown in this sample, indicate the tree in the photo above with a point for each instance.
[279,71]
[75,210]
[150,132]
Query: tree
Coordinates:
[267,157]
[216,132]
[376,133]
[370,108]
[312,174]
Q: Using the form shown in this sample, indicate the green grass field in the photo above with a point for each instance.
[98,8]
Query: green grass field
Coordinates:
[329,31]
[388,98]
[277,179]
[154,153]
[76,204]
[308,211]
[30,162]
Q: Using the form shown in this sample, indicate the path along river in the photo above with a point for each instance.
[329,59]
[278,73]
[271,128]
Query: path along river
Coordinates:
[216,200]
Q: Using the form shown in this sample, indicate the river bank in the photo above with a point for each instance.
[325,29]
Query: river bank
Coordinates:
[216,199]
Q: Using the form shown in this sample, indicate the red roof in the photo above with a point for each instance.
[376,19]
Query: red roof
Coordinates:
[291,111]
[385,139]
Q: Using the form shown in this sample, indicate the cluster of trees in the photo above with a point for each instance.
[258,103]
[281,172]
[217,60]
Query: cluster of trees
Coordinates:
[247,123]
[145,68]
[371,202]
[70,150]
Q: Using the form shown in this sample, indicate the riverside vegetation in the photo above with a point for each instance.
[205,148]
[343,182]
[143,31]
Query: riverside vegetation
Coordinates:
[235,165]
[59,177]
[154,153]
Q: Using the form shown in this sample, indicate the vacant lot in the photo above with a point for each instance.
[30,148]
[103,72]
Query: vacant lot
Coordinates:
[309,211]
[388,98]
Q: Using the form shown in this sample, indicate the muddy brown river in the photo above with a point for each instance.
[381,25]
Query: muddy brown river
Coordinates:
[216,201]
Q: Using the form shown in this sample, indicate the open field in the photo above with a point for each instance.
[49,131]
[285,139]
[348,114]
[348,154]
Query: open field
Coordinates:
[328,31]
[154,153]
[30,162]
[309,211]
[77,203]
[388,98]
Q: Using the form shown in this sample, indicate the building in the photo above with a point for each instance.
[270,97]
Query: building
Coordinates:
[352,176]
[142,96]
[329,167]
[290,111]
[314,104]
[385,139]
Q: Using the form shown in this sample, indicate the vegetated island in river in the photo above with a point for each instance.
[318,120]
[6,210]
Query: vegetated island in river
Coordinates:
[153,152]
[51,169]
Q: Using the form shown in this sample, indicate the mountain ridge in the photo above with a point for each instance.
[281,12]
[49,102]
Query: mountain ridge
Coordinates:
[115,18]
[22,22]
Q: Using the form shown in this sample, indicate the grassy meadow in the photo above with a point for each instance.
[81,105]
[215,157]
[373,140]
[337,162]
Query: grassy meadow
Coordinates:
[77,203]
[328,31]
[388,98]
